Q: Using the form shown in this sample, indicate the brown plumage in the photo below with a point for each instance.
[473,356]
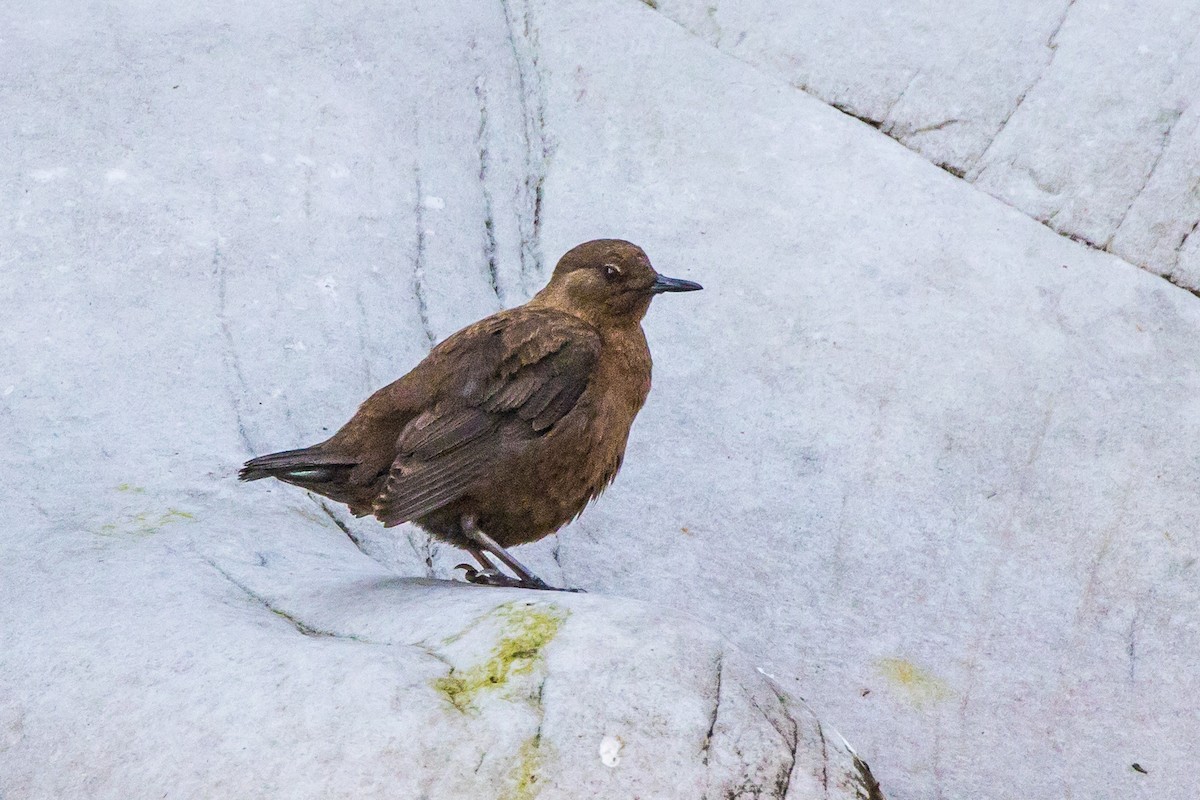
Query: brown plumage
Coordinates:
[509,427]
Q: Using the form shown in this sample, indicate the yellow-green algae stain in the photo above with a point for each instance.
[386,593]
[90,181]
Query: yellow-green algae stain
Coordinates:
[523,777]
[920,687]
[146,523]
[131,488]
[525,630]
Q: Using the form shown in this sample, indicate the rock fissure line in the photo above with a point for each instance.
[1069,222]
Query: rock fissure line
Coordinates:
[1162,148]
[556,554]
[866,780]
[1171,279]
[975,168]
[363,341]
[937,127]
[418,283]
[877,124]
[791,742]
[716,709]
[434,654]
[342,526]
[305,629]
[1196,224]
[793,745]
[232,363]
[887,115]
[522,38]
[539,705]
[299,624]
[482,137]
[824,758]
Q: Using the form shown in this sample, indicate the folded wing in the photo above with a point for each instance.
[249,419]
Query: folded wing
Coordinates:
[515,377]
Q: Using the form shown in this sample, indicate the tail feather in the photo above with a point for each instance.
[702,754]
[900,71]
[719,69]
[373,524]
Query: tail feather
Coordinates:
[308,465]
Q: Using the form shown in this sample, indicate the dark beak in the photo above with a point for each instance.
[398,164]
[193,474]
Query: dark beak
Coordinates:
[664,284]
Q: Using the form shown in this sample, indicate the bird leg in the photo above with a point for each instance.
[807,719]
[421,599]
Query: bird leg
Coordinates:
[490,575]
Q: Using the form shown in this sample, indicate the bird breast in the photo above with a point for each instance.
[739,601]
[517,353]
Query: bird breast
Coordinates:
[550,483]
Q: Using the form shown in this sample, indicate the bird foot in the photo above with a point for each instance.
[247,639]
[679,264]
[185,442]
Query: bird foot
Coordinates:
[494,577]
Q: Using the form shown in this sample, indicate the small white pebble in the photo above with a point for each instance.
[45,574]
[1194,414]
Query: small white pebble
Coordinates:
[610,750]
[9,390]
[267,158]
[116,175]
[436,203]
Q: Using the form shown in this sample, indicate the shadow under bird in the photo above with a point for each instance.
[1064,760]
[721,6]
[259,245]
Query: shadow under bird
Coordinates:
[508,428]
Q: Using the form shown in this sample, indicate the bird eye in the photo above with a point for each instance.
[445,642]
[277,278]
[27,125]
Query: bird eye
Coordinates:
[612,272]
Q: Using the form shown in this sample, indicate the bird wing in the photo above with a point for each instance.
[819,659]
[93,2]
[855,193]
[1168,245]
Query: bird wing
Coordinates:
[520,372]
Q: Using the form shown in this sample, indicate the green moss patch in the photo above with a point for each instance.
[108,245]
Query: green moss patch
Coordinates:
[523,777]
[524,631]
[145,523]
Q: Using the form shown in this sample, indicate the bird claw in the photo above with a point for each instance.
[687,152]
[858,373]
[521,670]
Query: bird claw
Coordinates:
[494,577]
[486,577]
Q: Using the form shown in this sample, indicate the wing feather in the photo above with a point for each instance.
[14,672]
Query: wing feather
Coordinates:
[513,374]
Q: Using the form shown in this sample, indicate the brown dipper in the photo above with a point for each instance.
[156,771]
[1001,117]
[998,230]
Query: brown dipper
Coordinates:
[510,427]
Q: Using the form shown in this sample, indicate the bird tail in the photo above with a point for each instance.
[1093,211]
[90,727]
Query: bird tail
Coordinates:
[306,466]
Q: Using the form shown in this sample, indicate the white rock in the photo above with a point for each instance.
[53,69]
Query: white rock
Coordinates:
[1081,113]
[318,674]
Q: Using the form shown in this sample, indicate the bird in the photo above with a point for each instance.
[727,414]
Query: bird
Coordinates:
[508,428]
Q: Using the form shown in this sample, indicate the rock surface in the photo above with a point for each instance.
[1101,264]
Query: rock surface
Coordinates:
[309,671]
[1081,113]
[927,462]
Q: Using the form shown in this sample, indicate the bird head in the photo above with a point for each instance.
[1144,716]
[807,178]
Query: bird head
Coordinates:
[608,281]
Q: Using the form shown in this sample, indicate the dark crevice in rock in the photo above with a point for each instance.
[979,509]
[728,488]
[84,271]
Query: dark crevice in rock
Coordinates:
[419,290]
[422,546]
[233,364]
[953,170]
[434,654]
[889,126]
[975,167]
[877,124]
[946,123]
[1052,46]
[522,37]
[868,786]
[718,671]
[1171,279]
[1052,39]
[1183,241]
[1075,237]
[1162,148]
[541,711]
[482,137]
[790,738]
[556,554]
[363,340]
[298,624]
[824,758]
[793,742]
[342,526]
